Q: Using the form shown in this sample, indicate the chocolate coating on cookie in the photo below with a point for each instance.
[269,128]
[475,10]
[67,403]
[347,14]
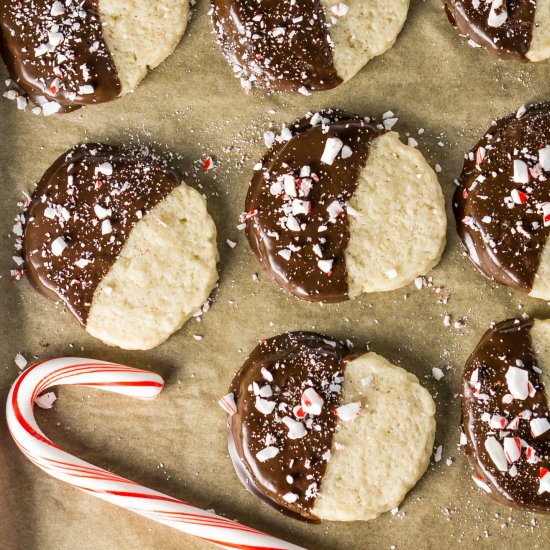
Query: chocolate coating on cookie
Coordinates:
[275,44]
[81,214]
[503,27]
[503,400]
[296,207]
[501,205]
[56,52]
[286,472]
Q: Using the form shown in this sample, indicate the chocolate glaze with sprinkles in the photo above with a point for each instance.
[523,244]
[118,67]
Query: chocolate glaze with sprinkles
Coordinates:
[508,461]
[290,241]
[81,214]
[278,371]
[275,44]
[56,52]
[502,200]
[505,36]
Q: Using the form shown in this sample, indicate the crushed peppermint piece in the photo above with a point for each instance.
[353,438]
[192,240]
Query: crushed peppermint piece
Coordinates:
[58,246]
[496,452]
[332,148]
[267,453]
[228,404]
[312,402]
[46,400]
[348,412]
[518,382]
[20,361]
[296,430]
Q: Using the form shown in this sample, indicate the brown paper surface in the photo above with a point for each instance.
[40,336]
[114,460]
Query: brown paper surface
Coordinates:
[192,106]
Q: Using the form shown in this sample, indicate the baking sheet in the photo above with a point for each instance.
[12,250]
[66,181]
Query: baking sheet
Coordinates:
[193,107]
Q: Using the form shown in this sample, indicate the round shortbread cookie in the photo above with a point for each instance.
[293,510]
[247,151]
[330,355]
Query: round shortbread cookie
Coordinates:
[339,207]
[502,206]
[304,46]
[506,413]
[122,242]
[508,30]
[68,54]
[321,433]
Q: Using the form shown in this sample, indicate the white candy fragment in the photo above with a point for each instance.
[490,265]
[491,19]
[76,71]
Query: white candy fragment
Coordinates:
[57,9]
[267,453]
[512,449]
[346,152]
[20,361]
[106,169]
[496,452]
[266,374]
[87,89]
[58,245]
[544,480]
[498,14]
[101,212]
[296,430]
[539,426]
[349,411]
[285,253]
[46,401]
[312,402]
[106,227]
[264,406]
[300,207]
[437,373]
[50,108]
[518,382]
[521,172]
[325,265]
[290,497]
[82,263]
[332,148]
[438,453]
[227,403]
[544,158]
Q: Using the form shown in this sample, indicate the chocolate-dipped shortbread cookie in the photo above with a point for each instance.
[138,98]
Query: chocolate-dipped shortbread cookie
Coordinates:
[320,433]
[508,29]
[122,242]
[67,53]
[304,46]
[338,207]
[502,204]
[506,413]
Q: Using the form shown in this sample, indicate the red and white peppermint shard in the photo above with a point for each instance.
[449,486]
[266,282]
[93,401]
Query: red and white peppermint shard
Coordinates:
[481,484]
[349,412]
[518,382]
[496,452]
[544,480]
[227,403]
[545,206]
[208,164]
[105,485]
[312,402]
[519,197]
[512,449]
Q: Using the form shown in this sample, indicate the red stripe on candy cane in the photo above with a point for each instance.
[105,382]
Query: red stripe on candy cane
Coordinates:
[105,485]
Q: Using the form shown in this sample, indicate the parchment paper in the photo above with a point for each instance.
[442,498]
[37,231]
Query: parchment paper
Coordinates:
[193,107]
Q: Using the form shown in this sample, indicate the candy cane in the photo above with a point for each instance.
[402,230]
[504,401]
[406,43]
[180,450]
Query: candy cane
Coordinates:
[106,485]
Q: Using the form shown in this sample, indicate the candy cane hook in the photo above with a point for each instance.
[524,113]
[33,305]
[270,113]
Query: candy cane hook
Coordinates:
[49,457]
